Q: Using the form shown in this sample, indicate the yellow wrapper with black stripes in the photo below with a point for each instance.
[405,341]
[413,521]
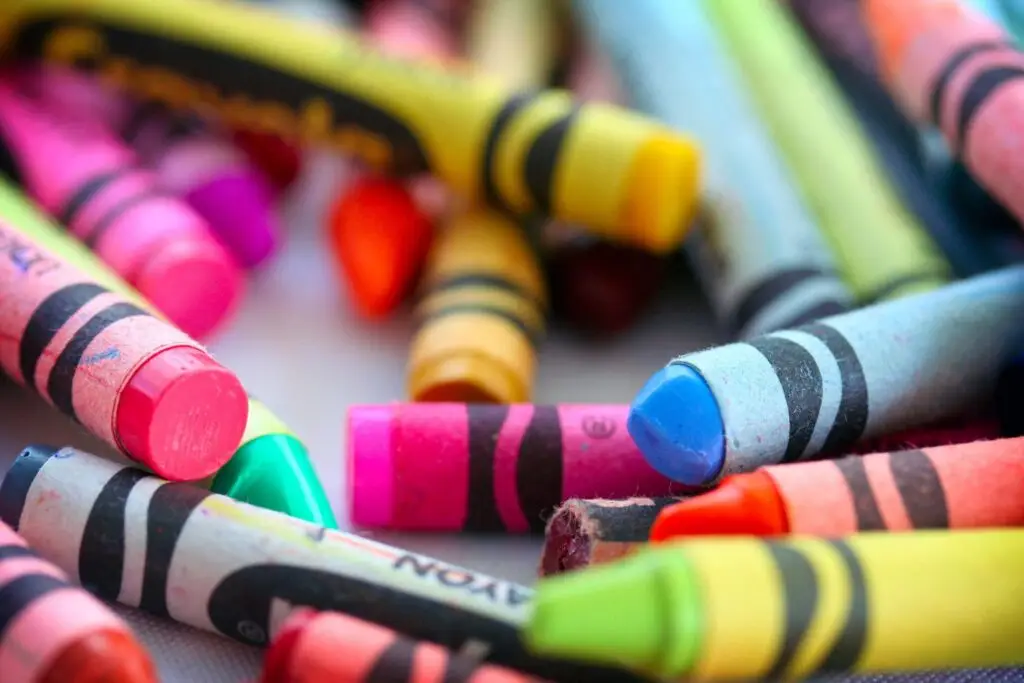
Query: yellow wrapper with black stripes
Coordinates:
[481,314]
[621,174]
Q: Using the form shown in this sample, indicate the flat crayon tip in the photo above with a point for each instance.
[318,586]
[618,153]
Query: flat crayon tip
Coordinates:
[371,490]
[746,504]
[677,425]
[277,662]
[239,209]
[102,657]
[618,614]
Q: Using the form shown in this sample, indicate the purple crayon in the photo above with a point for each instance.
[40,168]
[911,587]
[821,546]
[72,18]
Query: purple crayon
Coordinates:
[188,157]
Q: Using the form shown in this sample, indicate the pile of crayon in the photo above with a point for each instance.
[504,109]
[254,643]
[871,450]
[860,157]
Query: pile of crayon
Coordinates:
[837,490]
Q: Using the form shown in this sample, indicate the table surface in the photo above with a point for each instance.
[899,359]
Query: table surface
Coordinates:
[298,346]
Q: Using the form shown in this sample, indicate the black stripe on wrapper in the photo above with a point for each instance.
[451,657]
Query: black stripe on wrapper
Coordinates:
[851,640]
[505,116]
[801,383]
[862,496]
[47,320]
[770,290]
[484,426]
[101,556]
[981,88]
[852,416]
[19,479]
[949,69]
[920,489]
[800,595]
[395,664]
[542,160]
[20,593]
[539,467]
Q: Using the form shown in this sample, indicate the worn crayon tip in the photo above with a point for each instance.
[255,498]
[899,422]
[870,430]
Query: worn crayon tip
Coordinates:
[676,423]
[663,191]
[102,657]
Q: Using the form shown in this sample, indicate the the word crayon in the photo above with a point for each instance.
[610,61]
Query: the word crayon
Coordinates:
[882,249]
[582,533]
[746,609]
[146,543]
[486,468]
[971,485]
[53,632]
[415,28]
[757,250]
[271,468]
[129,378]
[328,647]
[515,41]
[481,314]
[616,172]
[92,184]
[957,69]
[822,387]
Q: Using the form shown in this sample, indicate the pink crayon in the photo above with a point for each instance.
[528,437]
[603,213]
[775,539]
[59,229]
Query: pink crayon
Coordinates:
[189,159]
[416,29]
[87,179]
[482,468]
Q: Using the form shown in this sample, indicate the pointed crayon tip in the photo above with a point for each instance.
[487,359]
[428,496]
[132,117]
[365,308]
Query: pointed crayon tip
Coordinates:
[747,504]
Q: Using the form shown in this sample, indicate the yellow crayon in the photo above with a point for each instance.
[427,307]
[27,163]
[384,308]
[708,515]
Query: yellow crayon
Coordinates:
[747,609]
[514,40]
[623,175]
[481,312]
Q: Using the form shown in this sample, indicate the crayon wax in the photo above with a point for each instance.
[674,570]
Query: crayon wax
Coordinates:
[280,161]
[145,543]
[271,467]
[481,314]
[417,29]
[971,485]
[54,632]
[616,172]
[882,250]
[91,183]
[951,66]
[758,253]
[582,533]
[136,382]
[487,468]
[822,387]
[515,41]
[329,647]
[746,609]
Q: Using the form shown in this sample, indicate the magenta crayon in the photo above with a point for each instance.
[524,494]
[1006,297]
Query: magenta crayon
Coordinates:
[133,380]
[475,467]
[53,632]
[81,174]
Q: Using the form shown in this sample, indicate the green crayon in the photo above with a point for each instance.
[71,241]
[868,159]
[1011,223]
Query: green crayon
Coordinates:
[749,609]
[271,469]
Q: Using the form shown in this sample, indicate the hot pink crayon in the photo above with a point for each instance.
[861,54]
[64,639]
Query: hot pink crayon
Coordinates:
[475,467]
[92,183]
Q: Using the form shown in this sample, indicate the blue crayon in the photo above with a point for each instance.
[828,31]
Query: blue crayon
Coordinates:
[822,387]
[1011,15]
[757,250]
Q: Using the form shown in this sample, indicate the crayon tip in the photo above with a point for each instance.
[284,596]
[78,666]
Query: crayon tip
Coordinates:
[369,465]
[278,661]
[676,424]
[582,615]
[747,504]
[102,657]
[239,209]
[279,160]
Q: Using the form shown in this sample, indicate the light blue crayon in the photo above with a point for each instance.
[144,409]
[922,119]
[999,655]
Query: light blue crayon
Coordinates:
[994,10]
[1011,13]
[757,250]
[822,387]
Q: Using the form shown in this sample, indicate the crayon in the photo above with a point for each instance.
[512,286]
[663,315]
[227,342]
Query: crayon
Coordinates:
[1011,15]
[951,66]
[146,543]
[503,467]
[582,533]
[328,647]
[91,183]
[481,314]
[314,11]
[271,468]
[515,41]
[54,632]
[822,387]
[757,250]
[616,172]
[961,486]
[280,161]
[964,430]
[417,29]
[746,609]
[132,380]
[882,250]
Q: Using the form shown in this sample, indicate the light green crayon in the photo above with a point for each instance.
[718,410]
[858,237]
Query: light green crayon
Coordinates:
[883,250]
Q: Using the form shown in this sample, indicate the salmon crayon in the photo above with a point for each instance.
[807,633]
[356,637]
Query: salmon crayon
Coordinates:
[329,647]
[746,609]
[54,632]
[956,68]
[971,485]
[617,173]
[91,183]
[503,467]
[481,314]
[757,250]
[146,543]
[582,533]
[271,467]
[822,387]
[132,380]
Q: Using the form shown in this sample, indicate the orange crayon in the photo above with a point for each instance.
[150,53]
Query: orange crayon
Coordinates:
[329,647]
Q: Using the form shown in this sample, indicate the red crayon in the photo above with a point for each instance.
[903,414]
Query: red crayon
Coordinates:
[974,485]
[476,467]
[53,632]
[328,647]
